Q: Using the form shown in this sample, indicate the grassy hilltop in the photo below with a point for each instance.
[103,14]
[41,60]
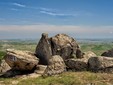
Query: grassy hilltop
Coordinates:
[67,78]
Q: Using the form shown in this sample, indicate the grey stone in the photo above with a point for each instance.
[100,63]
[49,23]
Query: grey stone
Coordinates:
[101,64]
[56,66]
[108,53]
[81,64]
[43,50]
[21,60]
[76,64]
[64,46]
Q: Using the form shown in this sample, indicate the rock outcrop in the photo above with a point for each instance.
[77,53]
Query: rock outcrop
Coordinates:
[79,64]
[100,64]
[21,60]
[4,66]
[56,66]
[64,46]
[43,50]
[108,53]
[61,44]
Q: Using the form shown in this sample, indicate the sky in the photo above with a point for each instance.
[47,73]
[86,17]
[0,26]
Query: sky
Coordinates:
[26,19]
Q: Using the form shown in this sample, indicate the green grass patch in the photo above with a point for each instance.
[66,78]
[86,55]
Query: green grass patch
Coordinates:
[67,78]
[2,54]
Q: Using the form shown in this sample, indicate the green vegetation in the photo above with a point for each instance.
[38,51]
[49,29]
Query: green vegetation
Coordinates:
[97,48]
[16,44]
[67,78]
[2,53]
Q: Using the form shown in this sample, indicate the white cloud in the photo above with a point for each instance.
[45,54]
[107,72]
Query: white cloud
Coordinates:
[19,5]
[56,14]
[46,9]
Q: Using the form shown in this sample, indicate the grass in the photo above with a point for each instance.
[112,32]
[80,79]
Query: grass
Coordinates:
[67,78]
[97,48]
[2,53]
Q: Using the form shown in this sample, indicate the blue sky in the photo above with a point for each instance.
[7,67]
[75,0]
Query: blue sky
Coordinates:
[78,18]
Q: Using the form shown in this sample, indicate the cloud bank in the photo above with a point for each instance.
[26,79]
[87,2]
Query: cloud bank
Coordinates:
[34,31]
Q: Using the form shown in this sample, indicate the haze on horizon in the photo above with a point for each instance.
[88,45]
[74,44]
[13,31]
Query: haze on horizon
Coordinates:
[21,19]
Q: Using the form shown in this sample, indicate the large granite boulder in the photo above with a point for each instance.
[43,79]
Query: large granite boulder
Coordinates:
[100,64]
[21,60]
[61,44]
[56,66]
[108,53]
[4,66]
[43,50]
[65,46]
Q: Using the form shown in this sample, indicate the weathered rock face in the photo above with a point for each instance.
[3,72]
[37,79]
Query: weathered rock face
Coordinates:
[21,60]
[76,64]
[79,64]
[56,66]
[61,44]
[4,66]
[108,53]
[64,46]
[40,69]
[102,64]
[43,50]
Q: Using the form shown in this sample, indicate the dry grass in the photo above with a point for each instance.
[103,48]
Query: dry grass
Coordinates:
[67,78]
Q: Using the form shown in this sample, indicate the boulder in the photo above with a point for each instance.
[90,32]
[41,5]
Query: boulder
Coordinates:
[64,46]
[108,53]
[4,66]
[79,64]
[21,60]
[56,66]
[43,50]
[100,64]
[76,64]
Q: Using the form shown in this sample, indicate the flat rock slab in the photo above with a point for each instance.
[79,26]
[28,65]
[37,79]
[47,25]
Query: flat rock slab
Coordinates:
[75,64]
[101,64]
[21,60]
